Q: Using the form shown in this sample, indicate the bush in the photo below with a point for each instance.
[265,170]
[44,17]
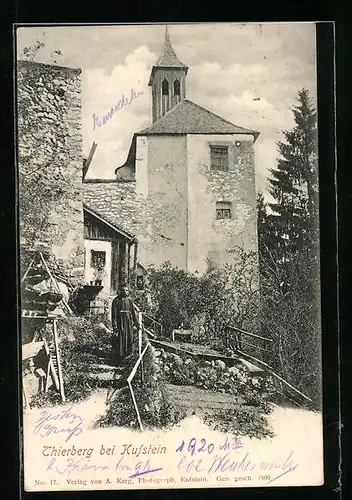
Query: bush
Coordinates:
[292,319]
[231,297]
[153,403]
[216,376]
[82,342]
[43,399]
[250,396]
[223,296]
[176,296]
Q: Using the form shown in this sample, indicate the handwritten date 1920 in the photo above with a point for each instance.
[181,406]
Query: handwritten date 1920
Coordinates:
[195,446]
[202,446]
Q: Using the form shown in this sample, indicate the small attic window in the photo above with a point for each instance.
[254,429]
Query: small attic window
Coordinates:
[177,87]
[165,87]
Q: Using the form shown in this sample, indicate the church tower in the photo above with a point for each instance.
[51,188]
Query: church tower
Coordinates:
[168,80]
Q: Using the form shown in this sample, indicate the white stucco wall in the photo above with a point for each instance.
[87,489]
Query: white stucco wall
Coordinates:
[142,166]
[209,238]
[161,180]
[180,190]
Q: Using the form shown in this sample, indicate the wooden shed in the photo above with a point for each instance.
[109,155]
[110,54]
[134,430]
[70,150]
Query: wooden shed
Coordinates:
[110,253]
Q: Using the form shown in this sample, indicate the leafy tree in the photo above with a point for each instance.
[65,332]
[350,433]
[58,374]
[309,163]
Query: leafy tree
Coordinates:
[228,295]
[176,296]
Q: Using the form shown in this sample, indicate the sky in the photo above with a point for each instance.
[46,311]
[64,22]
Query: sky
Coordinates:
[249,74]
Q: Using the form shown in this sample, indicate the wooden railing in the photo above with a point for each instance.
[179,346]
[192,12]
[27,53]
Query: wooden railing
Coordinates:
[246,344]
[243,341]
[153,327]
[138,366]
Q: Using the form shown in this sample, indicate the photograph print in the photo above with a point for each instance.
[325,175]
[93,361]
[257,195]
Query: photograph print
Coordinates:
[169,256]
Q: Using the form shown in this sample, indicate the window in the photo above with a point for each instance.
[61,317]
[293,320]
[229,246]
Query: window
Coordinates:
[140,282]
[177,87]
[223,210]
[165,87]
[97,259]
[219,158]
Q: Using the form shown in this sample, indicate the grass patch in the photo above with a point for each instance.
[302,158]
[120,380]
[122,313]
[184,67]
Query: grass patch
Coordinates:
[241,421]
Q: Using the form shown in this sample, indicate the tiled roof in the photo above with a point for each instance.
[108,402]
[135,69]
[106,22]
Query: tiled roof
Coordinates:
[168,57]
[190,118]
[114,201]
[110,224]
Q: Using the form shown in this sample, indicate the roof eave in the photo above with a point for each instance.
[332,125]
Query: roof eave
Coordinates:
[147,132]
[100,217]
[255,135]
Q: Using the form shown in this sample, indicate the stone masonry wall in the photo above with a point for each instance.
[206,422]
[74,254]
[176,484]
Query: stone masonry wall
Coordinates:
[50,161]
[211,241]
[116,201]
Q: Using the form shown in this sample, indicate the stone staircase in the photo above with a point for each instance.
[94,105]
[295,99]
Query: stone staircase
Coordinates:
[105,375]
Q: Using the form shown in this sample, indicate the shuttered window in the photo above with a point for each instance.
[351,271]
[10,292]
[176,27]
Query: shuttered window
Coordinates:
[98,259]
[219,158]
[223,210]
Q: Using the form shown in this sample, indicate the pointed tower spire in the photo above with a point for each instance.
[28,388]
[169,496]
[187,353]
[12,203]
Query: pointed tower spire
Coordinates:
[167,79]
[168,56]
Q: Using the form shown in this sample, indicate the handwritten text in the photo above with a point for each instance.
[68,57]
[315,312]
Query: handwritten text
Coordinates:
[123,102]
[61,422]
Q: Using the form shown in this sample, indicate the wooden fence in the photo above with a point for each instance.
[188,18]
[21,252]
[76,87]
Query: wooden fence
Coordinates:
[246,342]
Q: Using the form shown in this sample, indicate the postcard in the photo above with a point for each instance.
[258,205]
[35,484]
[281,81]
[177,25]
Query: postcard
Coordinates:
[169,256]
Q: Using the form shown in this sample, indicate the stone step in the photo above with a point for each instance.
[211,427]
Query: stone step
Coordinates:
[104,368]
[253,369]
[104,376]
[107,380]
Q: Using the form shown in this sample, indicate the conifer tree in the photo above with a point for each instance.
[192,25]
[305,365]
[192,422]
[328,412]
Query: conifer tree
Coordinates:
[294,185]
[266,235]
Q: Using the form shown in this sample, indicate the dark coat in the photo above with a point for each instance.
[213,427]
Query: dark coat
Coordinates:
[123,315]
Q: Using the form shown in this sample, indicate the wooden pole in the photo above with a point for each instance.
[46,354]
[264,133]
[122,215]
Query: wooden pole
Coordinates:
[118,266]
[59,372]
[29,266]
[129,379]
[135,262]
[140,321]
[140,334]
[271,371]
[128,263]
[54,281]
[135,406]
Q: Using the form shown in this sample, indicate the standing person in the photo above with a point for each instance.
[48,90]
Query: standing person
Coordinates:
[124,317]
